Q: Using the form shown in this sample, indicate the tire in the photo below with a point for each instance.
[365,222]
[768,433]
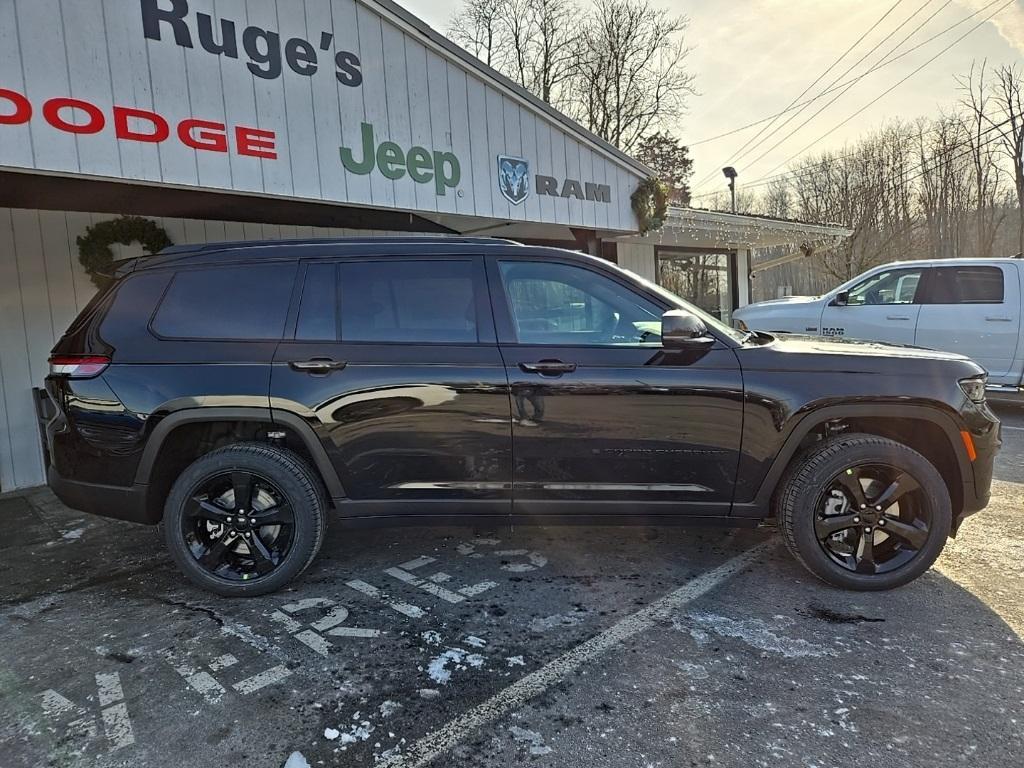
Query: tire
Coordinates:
[257,552]
[818,502]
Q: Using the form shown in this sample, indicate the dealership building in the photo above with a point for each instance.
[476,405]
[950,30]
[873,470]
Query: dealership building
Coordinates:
[252,119]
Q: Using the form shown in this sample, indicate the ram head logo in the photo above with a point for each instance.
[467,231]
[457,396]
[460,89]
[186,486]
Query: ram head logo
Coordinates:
[513,178]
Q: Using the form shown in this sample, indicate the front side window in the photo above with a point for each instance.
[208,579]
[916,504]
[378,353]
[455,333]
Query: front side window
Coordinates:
[893,286]
[244,302]
[408,301]
[560,304]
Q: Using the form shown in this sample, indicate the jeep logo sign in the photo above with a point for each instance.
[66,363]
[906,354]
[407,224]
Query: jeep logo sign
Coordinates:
[422,165]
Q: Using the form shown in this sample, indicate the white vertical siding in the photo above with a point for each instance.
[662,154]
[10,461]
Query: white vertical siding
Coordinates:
[43,287]
[413,92]
[637,257]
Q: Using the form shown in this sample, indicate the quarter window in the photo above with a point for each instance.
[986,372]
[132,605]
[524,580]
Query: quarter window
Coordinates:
[555,303]
[242,302]
[408,301]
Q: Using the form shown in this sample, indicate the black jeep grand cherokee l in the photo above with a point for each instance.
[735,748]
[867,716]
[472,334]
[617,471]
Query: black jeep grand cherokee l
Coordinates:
[239,391]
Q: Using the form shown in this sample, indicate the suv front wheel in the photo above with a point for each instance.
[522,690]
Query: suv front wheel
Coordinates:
[244,520]
[864,512]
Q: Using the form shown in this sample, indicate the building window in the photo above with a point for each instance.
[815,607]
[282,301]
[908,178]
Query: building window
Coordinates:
[705,279]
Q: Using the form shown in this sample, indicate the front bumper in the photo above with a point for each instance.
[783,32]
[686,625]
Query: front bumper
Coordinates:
[985,431]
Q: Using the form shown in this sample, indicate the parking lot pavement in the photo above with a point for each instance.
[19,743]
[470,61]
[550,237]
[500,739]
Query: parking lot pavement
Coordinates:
[548,646]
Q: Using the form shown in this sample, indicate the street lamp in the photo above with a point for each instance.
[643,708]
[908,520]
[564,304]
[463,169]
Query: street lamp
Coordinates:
[730,174]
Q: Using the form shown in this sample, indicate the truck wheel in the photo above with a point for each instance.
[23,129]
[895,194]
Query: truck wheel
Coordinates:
[244,520]
[864,512]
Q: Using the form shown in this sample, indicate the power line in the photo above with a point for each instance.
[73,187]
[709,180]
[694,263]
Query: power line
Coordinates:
[738,154]
[823,94]
[743,152]
[887,91]
[934,160]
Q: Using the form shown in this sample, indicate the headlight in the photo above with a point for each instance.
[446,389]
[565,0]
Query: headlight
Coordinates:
[974,387]
[742,326]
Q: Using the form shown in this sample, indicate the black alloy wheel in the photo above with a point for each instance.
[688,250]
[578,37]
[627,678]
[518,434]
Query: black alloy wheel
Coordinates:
[245,519]
[864,512]
[872,518]
[238,525]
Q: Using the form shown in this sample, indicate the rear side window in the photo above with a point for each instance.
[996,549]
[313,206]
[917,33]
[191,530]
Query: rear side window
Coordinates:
[966,285]
[317,319]
[408,301]
[245,302]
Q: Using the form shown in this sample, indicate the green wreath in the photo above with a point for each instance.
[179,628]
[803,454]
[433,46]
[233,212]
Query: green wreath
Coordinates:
[650,203]
[94,250]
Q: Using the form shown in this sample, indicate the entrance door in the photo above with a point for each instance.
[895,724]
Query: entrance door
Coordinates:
[395,365]
[882,307]
[603,419]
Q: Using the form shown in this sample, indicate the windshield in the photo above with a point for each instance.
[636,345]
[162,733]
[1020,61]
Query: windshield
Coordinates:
[709,320]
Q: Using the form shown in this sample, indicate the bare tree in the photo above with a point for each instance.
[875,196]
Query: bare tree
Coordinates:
[629,75]
[999,104]
[479,28]
[532,42]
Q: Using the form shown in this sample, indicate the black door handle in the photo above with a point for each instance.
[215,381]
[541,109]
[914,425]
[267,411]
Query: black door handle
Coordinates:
[316,365]
[548,367]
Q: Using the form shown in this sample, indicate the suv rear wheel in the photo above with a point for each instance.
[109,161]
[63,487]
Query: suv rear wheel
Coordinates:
[245,519]
[864,512]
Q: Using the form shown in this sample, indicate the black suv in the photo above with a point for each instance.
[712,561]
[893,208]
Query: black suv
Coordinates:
[241,392]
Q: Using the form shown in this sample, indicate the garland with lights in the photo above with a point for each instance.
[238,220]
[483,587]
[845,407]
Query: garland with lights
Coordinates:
[650,203]
[94,250]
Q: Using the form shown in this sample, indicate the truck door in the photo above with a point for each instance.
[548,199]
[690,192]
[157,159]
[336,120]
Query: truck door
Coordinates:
[881,307]
[973,309]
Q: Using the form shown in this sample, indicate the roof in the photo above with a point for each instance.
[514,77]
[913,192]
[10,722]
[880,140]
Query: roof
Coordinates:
[472,62]
[247,250]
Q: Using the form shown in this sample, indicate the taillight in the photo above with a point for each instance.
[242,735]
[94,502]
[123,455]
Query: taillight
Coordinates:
[78,366]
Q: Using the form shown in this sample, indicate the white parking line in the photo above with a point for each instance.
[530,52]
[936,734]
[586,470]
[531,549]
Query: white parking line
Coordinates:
[412,611]
[426,586]
[262,680]
[461,728]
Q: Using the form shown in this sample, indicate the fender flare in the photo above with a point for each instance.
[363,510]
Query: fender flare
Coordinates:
[760,504]
[292,421]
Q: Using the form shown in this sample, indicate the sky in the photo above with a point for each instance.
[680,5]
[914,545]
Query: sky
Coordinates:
[752,58]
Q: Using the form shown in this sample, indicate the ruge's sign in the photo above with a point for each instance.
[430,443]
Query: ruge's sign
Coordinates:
[342,101]
[262,47]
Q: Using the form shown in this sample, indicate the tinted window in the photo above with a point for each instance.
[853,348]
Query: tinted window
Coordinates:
[555,303]
[894,286]
[410,301]
[318,309]
[965,285]
[238,302]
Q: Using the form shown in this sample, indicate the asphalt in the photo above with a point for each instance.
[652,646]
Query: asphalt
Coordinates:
[541,646]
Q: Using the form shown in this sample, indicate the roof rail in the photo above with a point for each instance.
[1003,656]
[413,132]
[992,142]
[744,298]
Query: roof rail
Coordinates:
[426,239]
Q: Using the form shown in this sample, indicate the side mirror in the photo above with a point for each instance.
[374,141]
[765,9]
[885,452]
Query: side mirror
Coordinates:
[681,329]
[841,300]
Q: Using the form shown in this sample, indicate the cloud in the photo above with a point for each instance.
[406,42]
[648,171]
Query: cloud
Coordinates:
[1009,22]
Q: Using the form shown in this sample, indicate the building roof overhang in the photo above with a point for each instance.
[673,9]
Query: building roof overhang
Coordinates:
[698,228]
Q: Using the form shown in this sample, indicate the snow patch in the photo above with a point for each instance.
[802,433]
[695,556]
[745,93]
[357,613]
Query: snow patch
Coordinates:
[388,708]
[331,733]
[296,760]
[431,637]
[754,632]
[553,622]
[534,739]
[515,661]
[476,642]
[75,533]
[459,658]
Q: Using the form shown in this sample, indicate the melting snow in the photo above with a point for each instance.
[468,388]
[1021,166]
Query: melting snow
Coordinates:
[438,668]
[754,633]
[296,760]
[534,739]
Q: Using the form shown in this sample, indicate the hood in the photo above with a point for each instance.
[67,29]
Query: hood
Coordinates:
[820,345]
[783,301]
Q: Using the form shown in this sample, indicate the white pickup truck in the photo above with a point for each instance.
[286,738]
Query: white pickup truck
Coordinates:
[970,306]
